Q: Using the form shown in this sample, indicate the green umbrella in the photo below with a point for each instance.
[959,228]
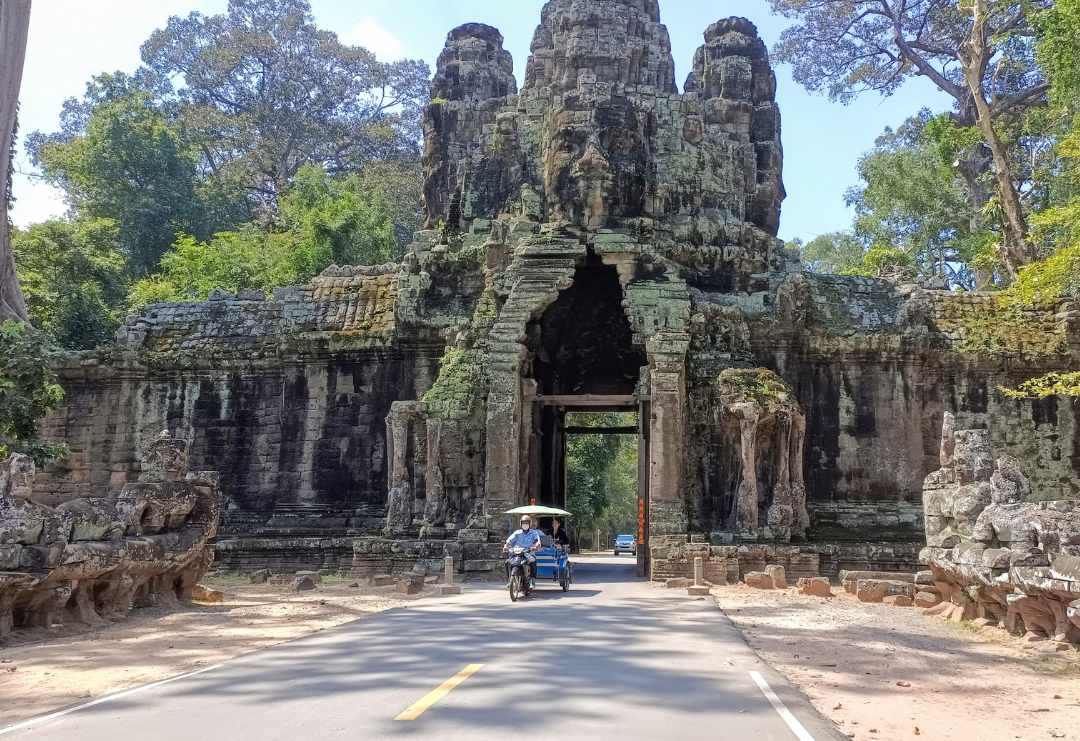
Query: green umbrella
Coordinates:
[539,511]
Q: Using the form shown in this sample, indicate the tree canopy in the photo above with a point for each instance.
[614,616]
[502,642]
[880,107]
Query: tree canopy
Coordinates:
[980,53]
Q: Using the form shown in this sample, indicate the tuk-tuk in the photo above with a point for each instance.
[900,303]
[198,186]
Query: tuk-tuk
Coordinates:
[552,560]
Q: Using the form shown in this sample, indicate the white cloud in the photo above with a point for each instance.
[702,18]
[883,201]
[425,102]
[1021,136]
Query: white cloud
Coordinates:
[371,35]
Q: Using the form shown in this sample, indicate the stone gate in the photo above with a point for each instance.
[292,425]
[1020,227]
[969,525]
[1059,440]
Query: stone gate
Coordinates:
[597,239]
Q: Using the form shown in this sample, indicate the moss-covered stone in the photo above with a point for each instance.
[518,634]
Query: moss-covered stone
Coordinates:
[1052,384]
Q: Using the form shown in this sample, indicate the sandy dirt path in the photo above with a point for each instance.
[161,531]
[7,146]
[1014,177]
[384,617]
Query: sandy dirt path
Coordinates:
[41,673]
[889,673]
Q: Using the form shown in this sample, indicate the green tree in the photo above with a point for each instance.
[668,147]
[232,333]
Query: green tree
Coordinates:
[131,165]
[911,200]
[247,259]
[980,53]
[28,390]
[266,92]
[322,220]
[338,220]
[836,253]
[601,474]
[74,280]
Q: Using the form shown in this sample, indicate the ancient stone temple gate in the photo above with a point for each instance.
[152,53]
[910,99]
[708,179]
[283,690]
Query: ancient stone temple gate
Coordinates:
[595,240]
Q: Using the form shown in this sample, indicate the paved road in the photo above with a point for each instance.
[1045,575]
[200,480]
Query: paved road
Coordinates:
[614,658]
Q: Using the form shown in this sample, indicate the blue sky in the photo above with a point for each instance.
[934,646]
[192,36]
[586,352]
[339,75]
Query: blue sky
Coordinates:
[70,40]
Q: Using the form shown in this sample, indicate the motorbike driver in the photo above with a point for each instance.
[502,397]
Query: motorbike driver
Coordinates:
[529,539]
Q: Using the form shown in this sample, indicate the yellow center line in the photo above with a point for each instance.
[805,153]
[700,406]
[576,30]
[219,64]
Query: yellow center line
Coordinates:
[425,703]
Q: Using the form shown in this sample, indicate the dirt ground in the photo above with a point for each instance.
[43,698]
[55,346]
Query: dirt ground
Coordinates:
[40,673]
[888,673]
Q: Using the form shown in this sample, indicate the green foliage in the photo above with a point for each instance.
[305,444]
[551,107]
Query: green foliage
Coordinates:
[758,386]
[1058,49]
[132,166]
[835,253]
[1057,277]
[459,389]
[601,474]
[267,92]
[73,278]
[338,220]
[28,390]
[1052,384]
[323,221]
[248,259]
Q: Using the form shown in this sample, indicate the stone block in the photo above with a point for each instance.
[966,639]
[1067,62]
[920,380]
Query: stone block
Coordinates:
[449,589]
[200,593]
[701,591]
[927,599]
[899,600]
[679,582]
[816,587]
[382,580]
[876,590]
[260,577]
[315,576]
[758,580]
[778,576]
[304,583]
[410,585]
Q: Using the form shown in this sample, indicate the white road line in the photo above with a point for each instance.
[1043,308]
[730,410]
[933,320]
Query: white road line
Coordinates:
[792,722]
[101,700]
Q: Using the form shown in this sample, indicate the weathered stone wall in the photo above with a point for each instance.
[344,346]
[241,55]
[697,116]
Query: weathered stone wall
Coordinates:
[995,551]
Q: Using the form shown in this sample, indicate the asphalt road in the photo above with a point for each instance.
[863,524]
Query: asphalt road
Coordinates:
[615,658]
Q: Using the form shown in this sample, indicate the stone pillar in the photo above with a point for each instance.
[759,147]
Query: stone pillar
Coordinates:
[667,434]
[448,586]
[746,500]
[698,589]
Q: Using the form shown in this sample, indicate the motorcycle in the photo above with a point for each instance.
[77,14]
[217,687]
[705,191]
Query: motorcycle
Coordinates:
[518,566]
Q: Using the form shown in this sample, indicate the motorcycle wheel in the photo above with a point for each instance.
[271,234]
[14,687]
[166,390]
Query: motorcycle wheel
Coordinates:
[516,588]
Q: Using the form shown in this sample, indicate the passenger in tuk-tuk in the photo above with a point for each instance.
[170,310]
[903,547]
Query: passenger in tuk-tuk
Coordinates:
[558,534]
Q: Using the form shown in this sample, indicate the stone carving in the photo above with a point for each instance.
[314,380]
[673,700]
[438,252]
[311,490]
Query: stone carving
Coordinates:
[90,560]
[771,430]
[995,555]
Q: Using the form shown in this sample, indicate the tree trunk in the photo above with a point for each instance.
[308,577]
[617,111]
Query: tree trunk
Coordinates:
[1015,251]
[14,27]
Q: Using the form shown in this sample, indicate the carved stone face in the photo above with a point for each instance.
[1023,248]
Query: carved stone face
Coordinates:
[17,480]
[597,163]
[165,459]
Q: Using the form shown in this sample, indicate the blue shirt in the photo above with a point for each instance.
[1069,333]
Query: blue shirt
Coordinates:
[523,539]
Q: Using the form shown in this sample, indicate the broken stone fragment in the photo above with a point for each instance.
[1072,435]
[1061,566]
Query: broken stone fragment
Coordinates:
[927,599]
[778,576]
[816,587]
[201,593]
[304,583]
[876,590]
[758,580]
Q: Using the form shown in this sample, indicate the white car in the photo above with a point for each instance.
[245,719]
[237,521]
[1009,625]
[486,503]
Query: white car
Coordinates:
[625,544]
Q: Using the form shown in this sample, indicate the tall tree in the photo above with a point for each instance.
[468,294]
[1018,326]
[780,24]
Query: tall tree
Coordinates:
[132,166]
[979,52]
[264,92]
[14,27]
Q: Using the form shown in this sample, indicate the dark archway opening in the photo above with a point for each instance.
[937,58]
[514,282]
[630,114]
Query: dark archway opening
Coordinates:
[587,369]
[583,343]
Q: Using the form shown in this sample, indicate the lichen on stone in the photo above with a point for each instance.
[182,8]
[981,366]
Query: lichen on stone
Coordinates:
[459,388]
[1041,387]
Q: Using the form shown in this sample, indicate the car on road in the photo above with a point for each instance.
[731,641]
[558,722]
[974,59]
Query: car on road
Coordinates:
[625,544]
